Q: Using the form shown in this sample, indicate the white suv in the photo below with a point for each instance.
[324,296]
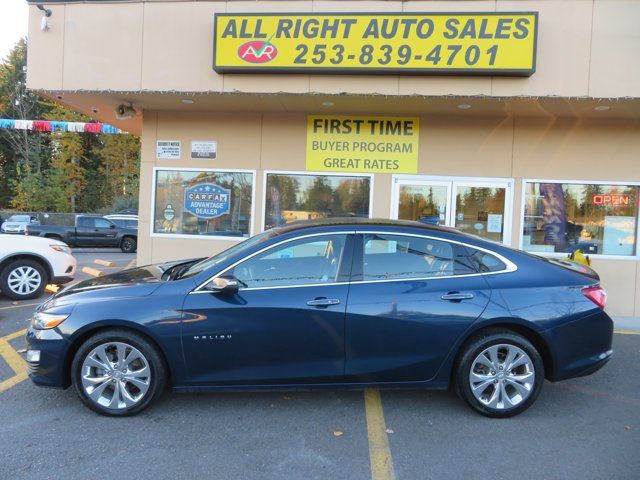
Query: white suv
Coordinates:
[28,264]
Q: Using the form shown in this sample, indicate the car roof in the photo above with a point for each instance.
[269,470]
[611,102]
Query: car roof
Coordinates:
[358,222]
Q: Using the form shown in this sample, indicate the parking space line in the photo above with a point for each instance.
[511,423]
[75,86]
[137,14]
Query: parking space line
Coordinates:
[626,332]
[379,452]
[20,306]
[13,381]
[11,336]
[13,358]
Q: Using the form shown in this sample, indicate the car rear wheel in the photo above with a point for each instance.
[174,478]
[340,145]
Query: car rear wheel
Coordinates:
[128,245]
[500,374]
[118,373]
[23,279]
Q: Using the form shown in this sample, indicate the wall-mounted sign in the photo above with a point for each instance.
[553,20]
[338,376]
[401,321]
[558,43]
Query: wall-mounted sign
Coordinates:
[610,199]
[168,149]
[491,43]
[204,149]
[340,143]
[207,200]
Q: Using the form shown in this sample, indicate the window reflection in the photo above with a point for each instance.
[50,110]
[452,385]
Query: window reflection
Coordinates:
[203,203]
[595,218]
[291,198]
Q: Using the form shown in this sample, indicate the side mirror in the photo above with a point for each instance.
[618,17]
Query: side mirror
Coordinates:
[226,285]
[112,226]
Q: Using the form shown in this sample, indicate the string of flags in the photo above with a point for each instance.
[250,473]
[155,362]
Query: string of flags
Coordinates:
[55,126]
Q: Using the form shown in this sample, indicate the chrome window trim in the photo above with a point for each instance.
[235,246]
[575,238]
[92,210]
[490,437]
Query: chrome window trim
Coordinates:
[199,287]
[510,266]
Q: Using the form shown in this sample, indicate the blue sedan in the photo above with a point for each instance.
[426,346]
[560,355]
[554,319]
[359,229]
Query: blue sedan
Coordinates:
[339,303]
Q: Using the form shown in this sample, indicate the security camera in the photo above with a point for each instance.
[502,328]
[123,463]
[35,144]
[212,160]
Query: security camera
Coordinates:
[124,112]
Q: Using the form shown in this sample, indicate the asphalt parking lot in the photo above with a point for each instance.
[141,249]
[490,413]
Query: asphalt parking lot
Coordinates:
[586,428]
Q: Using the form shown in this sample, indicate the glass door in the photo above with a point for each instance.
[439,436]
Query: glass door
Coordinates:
[483,209]
[427,201]
[480,207]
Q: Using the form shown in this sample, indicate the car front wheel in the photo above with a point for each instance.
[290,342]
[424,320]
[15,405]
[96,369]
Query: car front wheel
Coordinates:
[23,279]
[500,374]
[118,373]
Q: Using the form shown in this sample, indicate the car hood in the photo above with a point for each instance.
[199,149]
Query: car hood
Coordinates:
[13,225]
[134,282]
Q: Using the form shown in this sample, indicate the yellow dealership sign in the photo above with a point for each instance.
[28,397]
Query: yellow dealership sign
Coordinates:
[402,43]
[338,143]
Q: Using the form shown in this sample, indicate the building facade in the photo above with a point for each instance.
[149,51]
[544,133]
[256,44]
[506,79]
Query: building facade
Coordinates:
[518,121]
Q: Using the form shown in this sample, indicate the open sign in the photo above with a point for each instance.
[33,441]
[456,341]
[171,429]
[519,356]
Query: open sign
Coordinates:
[601,199]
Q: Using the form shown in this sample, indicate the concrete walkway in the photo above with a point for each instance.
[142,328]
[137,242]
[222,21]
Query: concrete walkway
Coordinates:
[627,323]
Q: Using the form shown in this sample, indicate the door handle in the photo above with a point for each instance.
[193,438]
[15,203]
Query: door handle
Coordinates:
[457,296]
[323,302]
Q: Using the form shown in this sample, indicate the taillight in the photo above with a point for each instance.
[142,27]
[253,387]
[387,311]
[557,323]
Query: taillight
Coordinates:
[596,294]
[26,230]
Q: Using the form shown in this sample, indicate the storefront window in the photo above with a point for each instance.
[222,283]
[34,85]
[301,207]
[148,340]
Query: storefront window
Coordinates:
[295,197]
[196,202]
[595,218]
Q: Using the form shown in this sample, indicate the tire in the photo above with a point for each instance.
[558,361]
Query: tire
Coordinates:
[23,279]
[118,395]
[500,392]
[129,245]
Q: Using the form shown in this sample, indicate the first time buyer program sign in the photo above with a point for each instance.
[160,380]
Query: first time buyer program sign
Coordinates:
[487,43]
[339,143]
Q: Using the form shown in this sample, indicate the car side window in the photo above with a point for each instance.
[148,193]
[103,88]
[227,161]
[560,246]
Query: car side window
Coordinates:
[390,257]
[85,222]
[307,261]
[485,262]
[102,223]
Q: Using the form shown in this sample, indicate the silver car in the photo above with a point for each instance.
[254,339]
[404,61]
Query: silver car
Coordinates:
[18,223]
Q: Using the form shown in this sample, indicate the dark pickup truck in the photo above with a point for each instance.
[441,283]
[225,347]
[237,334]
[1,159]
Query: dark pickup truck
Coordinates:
[90,231]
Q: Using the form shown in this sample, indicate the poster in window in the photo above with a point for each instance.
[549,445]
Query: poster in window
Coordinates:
[619,235]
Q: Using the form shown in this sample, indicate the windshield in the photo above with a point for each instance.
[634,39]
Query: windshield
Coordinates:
[222,256]
[19,218]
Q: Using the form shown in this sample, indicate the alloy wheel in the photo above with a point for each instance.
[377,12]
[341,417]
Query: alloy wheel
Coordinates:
[502,376]
[115,375]
[24,280]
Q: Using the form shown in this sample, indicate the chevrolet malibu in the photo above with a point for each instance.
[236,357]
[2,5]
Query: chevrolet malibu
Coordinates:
[340,303]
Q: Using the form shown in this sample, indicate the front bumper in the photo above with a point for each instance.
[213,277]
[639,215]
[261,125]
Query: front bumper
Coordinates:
[50,370]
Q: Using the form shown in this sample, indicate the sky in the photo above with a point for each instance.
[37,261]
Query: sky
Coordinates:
[14,16]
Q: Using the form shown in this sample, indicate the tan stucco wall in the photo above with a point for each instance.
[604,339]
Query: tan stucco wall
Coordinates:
[563,149]
[585,48]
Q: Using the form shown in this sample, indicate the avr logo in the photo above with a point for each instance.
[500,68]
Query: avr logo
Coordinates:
[257,52]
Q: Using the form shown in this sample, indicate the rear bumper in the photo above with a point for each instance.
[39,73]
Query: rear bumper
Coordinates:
[581,347]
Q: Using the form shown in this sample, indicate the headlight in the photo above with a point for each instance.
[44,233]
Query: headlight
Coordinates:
[61,248]
[44,321]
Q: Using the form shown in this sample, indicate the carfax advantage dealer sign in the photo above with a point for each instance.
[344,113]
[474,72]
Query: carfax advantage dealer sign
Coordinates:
[400,43]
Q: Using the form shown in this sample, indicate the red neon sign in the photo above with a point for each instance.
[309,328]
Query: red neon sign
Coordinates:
[600,199]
